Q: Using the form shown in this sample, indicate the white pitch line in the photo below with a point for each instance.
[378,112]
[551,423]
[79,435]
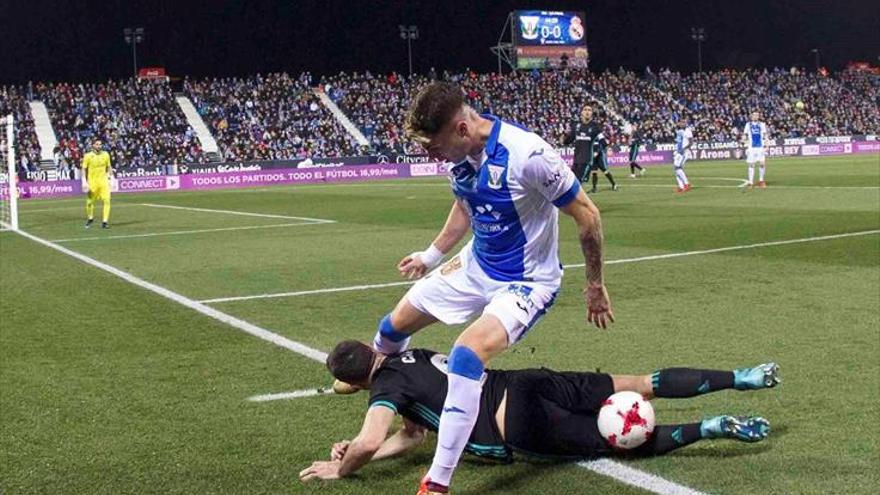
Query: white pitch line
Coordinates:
[185,232]
[635,477]
[306,292]
[734,248]
[61,208]
[702,186]
[605,467]
[622,473]
[235,212]
[867,188]
[208,311]
[292,395]
[576,265]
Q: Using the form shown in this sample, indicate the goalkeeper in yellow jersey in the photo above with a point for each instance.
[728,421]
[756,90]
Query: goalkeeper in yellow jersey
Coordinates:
[96,169]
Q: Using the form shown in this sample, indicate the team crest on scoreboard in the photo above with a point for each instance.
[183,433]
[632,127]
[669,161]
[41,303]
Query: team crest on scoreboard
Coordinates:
[529,26]
[495,174]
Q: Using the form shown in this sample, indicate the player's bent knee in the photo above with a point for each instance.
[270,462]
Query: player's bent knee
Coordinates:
[487,337]
[388,331]
[463,361]
[407,318]
[641,384]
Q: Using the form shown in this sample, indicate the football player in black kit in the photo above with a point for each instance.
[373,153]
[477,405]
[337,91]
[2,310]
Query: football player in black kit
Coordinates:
[536,412]
[590,148]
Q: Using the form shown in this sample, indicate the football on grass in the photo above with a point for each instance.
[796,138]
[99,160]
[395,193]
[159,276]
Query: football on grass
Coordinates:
[626,420]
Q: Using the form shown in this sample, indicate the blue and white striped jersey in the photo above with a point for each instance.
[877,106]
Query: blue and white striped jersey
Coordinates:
[512,194]
[756,134]
[682,139]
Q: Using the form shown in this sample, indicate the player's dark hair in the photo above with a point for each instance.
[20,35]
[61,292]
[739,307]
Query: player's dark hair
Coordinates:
[351,361]
[433,108]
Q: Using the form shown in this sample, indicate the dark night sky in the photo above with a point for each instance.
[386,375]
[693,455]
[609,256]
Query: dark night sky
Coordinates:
[81,40]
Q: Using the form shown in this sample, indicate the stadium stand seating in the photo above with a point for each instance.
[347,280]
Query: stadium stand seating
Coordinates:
[138,119]
[271,117]
[14,101]
[279,116]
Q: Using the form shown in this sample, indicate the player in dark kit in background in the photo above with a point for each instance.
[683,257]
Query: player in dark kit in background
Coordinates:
[534,412]
[590,147]
[635,142]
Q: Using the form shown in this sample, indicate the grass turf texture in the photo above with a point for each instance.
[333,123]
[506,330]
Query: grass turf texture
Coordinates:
[105,387]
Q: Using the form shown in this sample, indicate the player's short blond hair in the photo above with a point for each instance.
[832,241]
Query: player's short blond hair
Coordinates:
[433,108]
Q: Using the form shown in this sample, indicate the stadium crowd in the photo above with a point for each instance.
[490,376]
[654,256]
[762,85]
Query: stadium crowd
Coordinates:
[14,101]
[279,116]
[793,103]
[139,121]
[271,117]
[376,104]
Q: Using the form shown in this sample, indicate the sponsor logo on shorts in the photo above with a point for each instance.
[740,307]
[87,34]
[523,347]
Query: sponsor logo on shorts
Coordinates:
[523,295]
[451,266]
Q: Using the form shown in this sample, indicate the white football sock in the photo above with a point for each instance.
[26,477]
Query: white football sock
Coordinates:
[751,173]
[681,177]
[761,173]
[456,423]
[387,346]
[388,340]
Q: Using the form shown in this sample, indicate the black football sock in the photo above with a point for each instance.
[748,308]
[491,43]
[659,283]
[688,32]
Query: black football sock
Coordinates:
[667,438]
[636,165]
[687,382]
[610,178]
[595,180]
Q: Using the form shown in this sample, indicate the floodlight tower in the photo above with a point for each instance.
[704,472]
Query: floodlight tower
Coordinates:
[133,36]
[699,36]
[409,33]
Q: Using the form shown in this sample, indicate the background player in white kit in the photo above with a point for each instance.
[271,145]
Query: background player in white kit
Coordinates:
[508,184]
[683,139]
[754,136]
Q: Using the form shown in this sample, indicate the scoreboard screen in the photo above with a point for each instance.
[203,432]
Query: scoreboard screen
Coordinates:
[548,39]
[543,28]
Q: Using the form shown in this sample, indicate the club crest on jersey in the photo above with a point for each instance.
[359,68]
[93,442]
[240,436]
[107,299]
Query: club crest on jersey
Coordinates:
[495,173]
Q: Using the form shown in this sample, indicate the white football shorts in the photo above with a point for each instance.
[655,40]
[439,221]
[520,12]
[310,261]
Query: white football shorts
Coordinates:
[754,155]
[458,289]
[679,159]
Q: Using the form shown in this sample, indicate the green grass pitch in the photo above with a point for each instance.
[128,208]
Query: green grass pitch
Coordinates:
[108,388]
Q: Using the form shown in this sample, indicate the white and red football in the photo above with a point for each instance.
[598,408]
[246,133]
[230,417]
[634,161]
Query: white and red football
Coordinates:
[626,420]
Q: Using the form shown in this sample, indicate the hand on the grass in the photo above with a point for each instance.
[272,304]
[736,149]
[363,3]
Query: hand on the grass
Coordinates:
[598,305]
[322,470]
[337,452]
[412,267]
